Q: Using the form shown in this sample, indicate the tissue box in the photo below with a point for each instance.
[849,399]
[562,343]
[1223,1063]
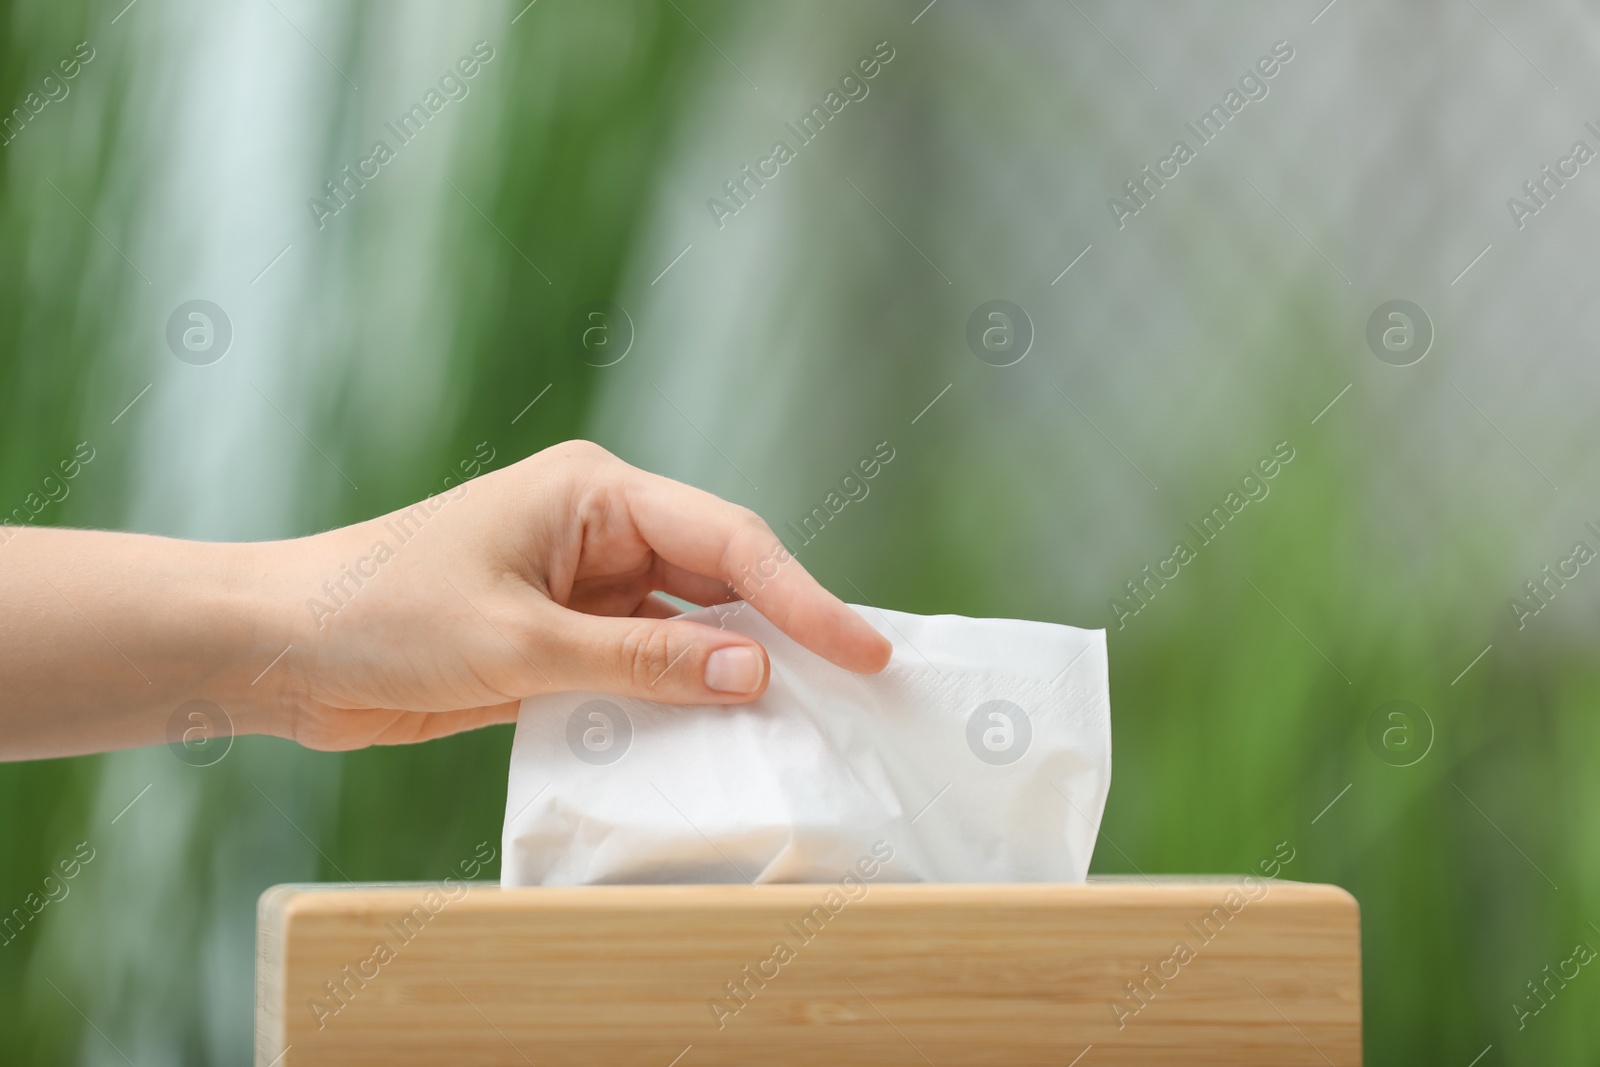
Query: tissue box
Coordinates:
[1115,971]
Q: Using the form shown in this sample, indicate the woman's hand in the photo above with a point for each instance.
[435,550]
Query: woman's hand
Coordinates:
[438,618]
[536,578]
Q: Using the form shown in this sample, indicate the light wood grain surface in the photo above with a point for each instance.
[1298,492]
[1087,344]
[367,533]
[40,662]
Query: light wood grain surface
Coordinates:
[904,974]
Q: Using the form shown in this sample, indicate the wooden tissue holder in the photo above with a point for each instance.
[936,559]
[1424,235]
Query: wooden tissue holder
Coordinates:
[1115,971]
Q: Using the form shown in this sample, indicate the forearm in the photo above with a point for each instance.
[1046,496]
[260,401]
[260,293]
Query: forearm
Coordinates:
[103,636]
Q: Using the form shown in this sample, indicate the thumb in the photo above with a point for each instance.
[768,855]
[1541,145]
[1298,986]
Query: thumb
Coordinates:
[668,660]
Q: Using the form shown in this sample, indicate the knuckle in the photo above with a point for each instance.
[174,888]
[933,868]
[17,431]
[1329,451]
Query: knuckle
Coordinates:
[750,532]
[579,451]
[752,523]
[646,654]
[752,539]
[588,450]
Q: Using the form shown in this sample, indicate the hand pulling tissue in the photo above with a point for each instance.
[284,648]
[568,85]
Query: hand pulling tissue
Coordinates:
[982,753]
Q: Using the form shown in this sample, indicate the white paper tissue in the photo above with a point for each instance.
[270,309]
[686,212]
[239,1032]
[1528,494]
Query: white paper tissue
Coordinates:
[981,754]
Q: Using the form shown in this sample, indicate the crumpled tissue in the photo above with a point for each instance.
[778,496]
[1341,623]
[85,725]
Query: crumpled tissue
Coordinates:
[982,753]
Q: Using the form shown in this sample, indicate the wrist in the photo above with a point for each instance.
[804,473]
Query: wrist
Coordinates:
[250,640]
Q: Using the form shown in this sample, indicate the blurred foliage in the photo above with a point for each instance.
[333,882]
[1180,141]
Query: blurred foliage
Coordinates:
[428,317]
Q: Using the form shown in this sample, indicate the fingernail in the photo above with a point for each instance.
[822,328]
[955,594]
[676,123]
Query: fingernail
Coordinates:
[734,670]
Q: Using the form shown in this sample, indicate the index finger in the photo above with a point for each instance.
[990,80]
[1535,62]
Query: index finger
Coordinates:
[708,535]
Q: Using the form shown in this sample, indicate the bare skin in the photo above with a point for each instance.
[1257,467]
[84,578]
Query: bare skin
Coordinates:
[540,577]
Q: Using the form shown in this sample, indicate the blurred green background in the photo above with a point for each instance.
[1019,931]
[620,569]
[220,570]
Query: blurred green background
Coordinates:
[373,353]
